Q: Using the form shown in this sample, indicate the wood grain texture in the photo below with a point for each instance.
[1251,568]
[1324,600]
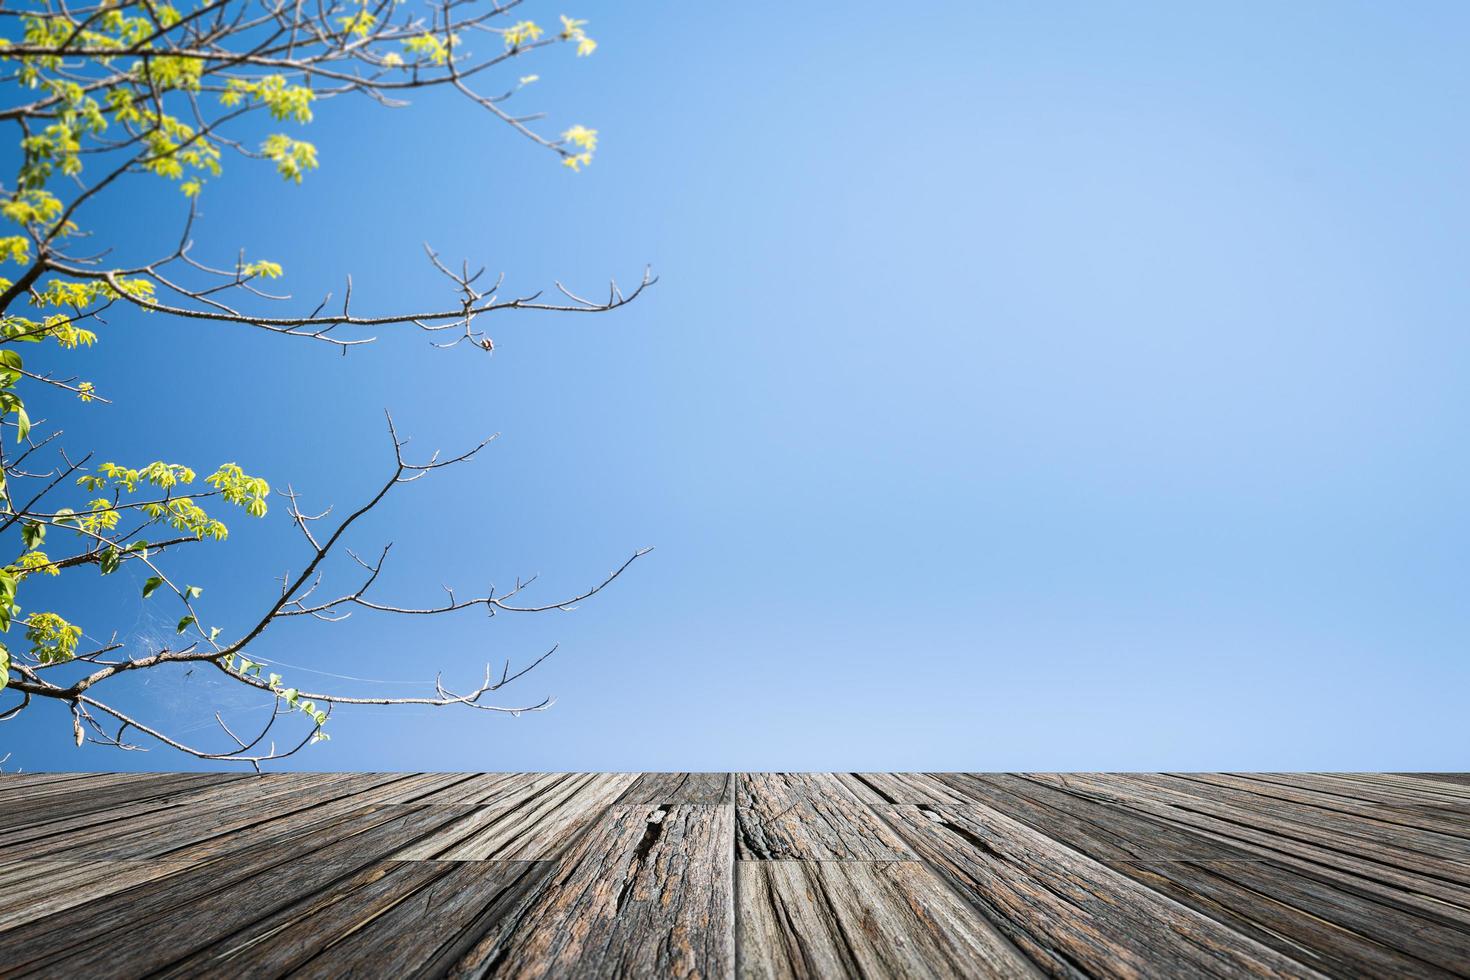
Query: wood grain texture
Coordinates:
[898,787]
[527,826]
[1348,934]
[1066,911]
[103,799]
[397,918]
[809,817]
[1395,841]
[1386,788]
[222,811]
[812,919]
[1298,796]
[647,892]
[51,883]
[1461,778]
[1314,849]
[1363,875]
[681,787]
[161,914]
[1099,829]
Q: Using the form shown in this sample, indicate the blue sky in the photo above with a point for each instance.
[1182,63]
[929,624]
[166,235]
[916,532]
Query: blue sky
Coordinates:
[1027,387]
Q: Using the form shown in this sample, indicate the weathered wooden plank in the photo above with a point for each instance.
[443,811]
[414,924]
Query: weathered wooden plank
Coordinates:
[646,892]
[681,787]
[1269,902]
[1350,874]
[1433,790]
[162,833]
[151,942]
[488,788]
[88,934]
[48,821]
[529,829]
[1068,912]
[114,801]
[72,782]
[1438,898]
[59,905]
[431,930]
[1334,930]
[13,782]
[153,833]
[1450,823]
[898,787]
[1459,778]
[816,919]
[1363,823]
[1410,793]
[285,826]
[30,785]
[33,885]
[398,918]
[283,940]
[417,788]
[1105,831]
[810,817]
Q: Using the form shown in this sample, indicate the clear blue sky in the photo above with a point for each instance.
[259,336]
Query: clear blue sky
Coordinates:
[1051,386]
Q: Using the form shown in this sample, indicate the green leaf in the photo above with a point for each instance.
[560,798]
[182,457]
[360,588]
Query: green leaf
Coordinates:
[192,592]
[109,560]
[151,586]
[213,633]
[185,623]
[4,667]
[22,424]
[33,534]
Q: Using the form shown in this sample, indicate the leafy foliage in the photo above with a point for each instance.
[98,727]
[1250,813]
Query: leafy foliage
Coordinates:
[114,91]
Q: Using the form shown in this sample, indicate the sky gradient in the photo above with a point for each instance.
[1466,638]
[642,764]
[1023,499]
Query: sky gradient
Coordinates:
[1055,387]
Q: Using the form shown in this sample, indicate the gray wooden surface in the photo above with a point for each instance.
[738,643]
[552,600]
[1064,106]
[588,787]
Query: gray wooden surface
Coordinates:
[719,874]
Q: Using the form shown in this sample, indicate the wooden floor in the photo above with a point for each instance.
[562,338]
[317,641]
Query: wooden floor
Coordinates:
[760,874]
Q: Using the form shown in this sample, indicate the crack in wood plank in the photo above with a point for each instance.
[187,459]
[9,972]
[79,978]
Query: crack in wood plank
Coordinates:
[811,817]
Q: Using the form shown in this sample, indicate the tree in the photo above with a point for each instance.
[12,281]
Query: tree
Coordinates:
[113,91]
